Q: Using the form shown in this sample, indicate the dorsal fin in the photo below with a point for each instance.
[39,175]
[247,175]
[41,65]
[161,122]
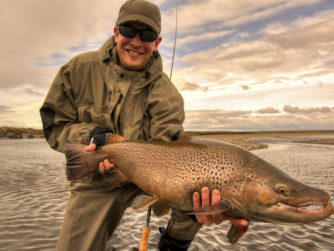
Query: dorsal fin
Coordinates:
[114,138]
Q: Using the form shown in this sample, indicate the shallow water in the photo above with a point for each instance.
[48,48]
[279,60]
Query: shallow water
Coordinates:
[33,195]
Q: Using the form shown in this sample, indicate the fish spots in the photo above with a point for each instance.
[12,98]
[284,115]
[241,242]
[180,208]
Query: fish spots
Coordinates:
[249,176]
[175,165]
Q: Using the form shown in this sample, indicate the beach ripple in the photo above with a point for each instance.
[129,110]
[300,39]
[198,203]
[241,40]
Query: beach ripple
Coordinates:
[33,196]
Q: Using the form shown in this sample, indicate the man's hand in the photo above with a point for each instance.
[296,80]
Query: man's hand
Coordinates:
[104,166]
[91,147]
[206,202]
[99,137]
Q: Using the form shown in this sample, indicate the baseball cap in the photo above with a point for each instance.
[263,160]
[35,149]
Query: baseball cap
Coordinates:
[141,11]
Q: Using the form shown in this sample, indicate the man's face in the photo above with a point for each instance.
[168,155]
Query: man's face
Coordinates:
[133,53]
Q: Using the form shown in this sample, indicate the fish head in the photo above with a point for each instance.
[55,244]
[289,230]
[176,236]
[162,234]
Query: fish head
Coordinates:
[265,193]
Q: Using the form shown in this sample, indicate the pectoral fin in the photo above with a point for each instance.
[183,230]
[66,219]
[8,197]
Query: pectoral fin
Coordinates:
[236,232]
[221,206]
[144,201]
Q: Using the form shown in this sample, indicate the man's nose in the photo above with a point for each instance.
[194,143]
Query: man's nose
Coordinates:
[136,40]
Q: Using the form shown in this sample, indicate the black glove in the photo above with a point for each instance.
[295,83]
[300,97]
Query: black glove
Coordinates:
[100,136]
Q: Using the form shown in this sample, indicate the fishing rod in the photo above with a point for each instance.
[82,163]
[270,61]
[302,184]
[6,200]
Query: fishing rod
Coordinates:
[146,230]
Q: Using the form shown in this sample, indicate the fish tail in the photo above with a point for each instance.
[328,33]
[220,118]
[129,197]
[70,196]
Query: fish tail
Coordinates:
[80,163]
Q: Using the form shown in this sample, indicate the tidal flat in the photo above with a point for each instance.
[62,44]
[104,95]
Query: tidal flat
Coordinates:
[33,196]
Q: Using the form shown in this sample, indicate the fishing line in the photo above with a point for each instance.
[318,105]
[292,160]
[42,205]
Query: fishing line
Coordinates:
[175,34]
[146,229]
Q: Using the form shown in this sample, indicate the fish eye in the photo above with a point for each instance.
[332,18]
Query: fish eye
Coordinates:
[282,190]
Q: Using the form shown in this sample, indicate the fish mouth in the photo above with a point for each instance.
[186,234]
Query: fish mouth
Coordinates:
[312,208]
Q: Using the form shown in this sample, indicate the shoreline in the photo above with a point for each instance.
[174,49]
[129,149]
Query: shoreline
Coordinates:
[20,133]
[240,138]
[243,138]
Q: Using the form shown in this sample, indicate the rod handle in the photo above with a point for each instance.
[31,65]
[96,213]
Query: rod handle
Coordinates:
[144,239]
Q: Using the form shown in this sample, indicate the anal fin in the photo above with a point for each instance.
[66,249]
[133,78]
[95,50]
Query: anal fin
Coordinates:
[144,201]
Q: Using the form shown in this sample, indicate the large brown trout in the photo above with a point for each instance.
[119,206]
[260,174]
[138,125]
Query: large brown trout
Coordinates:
[170,172]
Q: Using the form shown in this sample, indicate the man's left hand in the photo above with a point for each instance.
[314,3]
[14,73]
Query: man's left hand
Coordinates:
[206,201]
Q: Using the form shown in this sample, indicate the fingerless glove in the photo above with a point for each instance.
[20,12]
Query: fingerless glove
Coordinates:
[100,136]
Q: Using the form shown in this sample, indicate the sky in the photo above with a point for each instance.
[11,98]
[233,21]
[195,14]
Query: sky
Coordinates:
[239,65]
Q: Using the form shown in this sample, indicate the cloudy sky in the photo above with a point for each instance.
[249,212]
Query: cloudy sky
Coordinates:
[240,65]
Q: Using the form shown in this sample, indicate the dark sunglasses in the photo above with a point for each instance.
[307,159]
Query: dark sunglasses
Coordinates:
[130,32]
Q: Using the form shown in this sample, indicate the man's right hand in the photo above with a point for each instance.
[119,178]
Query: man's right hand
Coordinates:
[91,147]
[99,137]
[104,166]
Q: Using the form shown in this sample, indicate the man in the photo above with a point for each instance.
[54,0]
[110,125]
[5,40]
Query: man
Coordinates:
[118,89]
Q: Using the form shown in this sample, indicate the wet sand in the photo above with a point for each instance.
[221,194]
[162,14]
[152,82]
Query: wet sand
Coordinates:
[33,195]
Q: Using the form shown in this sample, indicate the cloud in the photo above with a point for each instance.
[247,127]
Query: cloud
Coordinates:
[268,110]
[204,36]
[31,91]
[37,32]
[277,57]
[245,87]
[193,87]
[248,120]
[4,108]
[213,119]
[199,15]
[252,57]
[296,109]
[301,22]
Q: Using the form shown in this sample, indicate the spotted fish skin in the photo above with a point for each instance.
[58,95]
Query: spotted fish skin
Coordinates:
[170,172]
[174,170]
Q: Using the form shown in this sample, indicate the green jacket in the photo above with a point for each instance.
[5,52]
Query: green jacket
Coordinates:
[93,90]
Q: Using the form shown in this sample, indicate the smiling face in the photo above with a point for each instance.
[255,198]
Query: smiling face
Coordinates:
[133,53]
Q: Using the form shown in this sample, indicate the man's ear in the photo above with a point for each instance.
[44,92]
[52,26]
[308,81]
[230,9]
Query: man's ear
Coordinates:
[116,32]
[157,42]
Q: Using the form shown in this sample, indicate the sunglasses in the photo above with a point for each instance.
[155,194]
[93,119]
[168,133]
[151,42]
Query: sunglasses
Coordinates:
[130,32]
